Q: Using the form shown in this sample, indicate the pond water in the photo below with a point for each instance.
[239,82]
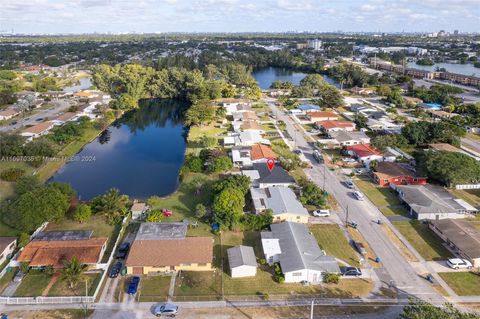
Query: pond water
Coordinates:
[466,69]
[84,84]
[266,76]
[140,154]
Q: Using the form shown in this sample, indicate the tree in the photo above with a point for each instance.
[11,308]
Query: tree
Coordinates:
[26,184]
[257,221]
[65,188]
[200,210]
[220,164]
[314,81]
[449,168]
[207,141]
[12,174]
[417,309]
[331,278]
[330,96]
[82,213]
[23,240]
[360,121]
[112,205]
[200,113]
[125,102]
[240,182]
[72,271]
[311,194]
[395,97]
[228,207]
[193,163]
[381,142]
[37,206]
[281,85]
[11,144]
[155,216]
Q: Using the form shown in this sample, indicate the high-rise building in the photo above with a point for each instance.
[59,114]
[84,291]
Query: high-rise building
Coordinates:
[315,44]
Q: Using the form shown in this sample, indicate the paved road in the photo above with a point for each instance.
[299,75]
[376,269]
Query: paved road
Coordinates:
[471,144]
[364,213]
[59,107]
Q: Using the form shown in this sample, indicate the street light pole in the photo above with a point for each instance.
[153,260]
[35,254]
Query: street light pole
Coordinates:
[311,309]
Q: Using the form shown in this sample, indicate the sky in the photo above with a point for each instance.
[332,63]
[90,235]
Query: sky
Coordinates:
[88,16]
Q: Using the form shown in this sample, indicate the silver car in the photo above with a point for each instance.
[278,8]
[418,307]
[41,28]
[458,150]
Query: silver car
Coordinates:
[165,310]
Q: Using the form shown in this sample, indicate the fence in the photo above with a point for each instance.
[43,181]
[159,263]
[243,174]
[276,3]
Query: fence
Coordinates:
[468,186]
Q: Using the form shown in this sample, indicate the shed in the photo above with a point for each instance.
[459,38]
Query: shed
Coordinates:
[242,261]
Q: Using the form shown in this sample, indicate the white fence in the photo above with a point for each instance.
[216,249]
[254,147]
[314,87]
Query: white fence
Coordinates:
[468,186]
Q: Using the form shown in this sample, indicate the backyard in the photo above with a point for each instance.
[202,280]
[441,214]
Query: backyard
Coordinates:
[424,240]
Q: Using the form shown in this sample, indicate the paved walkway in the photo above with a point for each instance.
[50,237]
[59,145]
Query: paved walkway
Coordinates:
[52,282]
[171,289]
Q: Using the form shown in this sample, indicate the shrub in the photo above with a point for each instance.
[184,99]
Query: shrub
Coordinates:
[82,213]
[331,278]
[23,240]
[262,261]
[200,210]
[155,217]
[12,174]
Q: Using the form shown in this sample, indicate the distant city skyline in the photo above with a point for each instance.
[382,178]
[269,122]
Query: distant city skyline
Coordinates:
[148,16]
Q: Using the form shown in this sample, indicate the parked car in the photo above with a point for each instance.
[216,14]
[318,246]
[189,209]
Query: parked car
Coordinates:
[317,156]
[19,276]
[359,247]
[115,271]
[358,195]
[39,119]
[350,271]
[315,131]
[457,263]
[321,213]
[123,250]
[167,212]
[297,151]
[14,123]
[165,309]
[133,285]
[349,184]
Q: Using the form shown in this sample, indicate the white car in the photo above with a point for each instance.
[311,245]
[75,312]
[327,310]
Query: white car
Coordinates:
[315,131]
[358,195]
[457,263]
[321,213]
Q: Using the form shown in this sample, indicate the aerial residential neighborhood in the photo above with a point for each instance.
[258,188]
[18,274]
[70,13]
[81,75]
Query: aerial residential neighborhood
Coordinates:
[209,160]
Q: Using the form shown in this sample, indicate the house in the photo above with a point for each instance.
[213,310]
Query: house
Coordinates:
[139,209]
[364,153]
[249,138]
[278,176]
[412,100]
[55,252]
[282,201]
[316,116]
[230,102]
[85,95]
[37,130]
[65,117]
[387,173]
[241,156]
[242,261]
[164,247]
[344,138]
[460,236]
[385,125]
[244,116]
[251,125]
[89,110]
[361,91]
[432,202]
[335,126]
[260,153]
[306,108]
[296,249]
[231,108]
[7,247]
[8,113]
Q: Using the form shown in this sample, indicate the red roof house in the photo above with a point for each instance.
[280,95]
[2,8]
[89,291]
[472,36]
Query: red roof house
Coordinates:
[331,126]
[364,153]
[387,173]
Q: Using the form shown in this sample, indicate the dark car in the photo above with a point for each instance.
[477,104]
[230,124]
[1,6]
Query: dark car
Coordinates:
[350,271]
[360,247]
[123,250]
[39,119]
[14,123]
[133,285]
[115,271]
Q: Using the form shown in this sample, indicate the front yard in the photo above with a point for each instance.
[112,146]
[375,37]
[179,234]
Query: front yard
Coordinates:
[33,284]
[154,288]
[383,197]
[89,281]
[424,240]
[463,283]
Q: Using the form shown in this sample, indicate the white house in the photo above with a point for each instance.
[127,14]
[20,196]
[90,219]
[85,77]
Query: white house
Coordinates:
[65,117]
[249,138]
[139,210]
[8,113]
[297,251]
[37,130]
[242,261]
[343,138]
[241,156]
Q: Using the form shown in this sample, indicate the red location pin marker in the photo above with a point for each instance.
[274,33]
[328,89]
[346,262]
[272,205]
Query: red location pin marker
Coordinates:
[270,163]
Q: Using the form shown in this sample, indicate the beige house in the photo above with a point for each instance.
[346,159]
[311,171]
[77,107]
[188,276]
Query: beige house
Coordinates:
[163,247]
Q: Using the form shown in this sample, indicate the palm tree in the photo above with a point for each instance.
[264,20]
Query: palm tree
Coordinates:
[114,205]
[73,271]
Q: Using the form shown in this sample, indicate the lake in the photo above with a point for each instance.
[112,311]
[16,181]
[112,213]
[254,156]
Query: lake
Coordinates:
[266,76]
[466,69]
[140,154]
[84,83]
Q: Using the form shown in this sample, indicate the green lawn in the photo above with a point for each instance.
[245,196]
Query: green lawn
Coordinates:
[212,130]
[201,285]
[331,239]
[7,278]
[33,284]
[471,196]
[463,283]
[383,197]
[154,288]
[7,188]
[424,240]
[184,200]
[61,288]
[97,223]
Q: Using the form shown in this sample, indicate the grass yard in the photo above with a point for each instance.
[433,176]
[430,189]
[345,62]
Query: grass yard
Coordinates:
[383,197]
[198,285]
[33,284]
[154,288]
[7,188]
[7,278]
[471,196]
[423,240]
[61,288]
[184,200]
[331,239]
[97,223]
[463,283]
[213,130]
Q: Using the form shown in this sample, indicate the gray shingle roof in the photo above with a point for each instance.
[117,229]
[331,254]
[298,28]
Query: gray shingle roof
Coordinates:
[155,231]
[241,256]
[462,234]
[277,176]
[300,249]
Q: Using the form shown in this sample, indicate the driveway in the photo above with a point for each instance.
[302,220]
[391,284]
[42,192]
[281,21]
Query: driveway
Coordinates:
[437,266]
